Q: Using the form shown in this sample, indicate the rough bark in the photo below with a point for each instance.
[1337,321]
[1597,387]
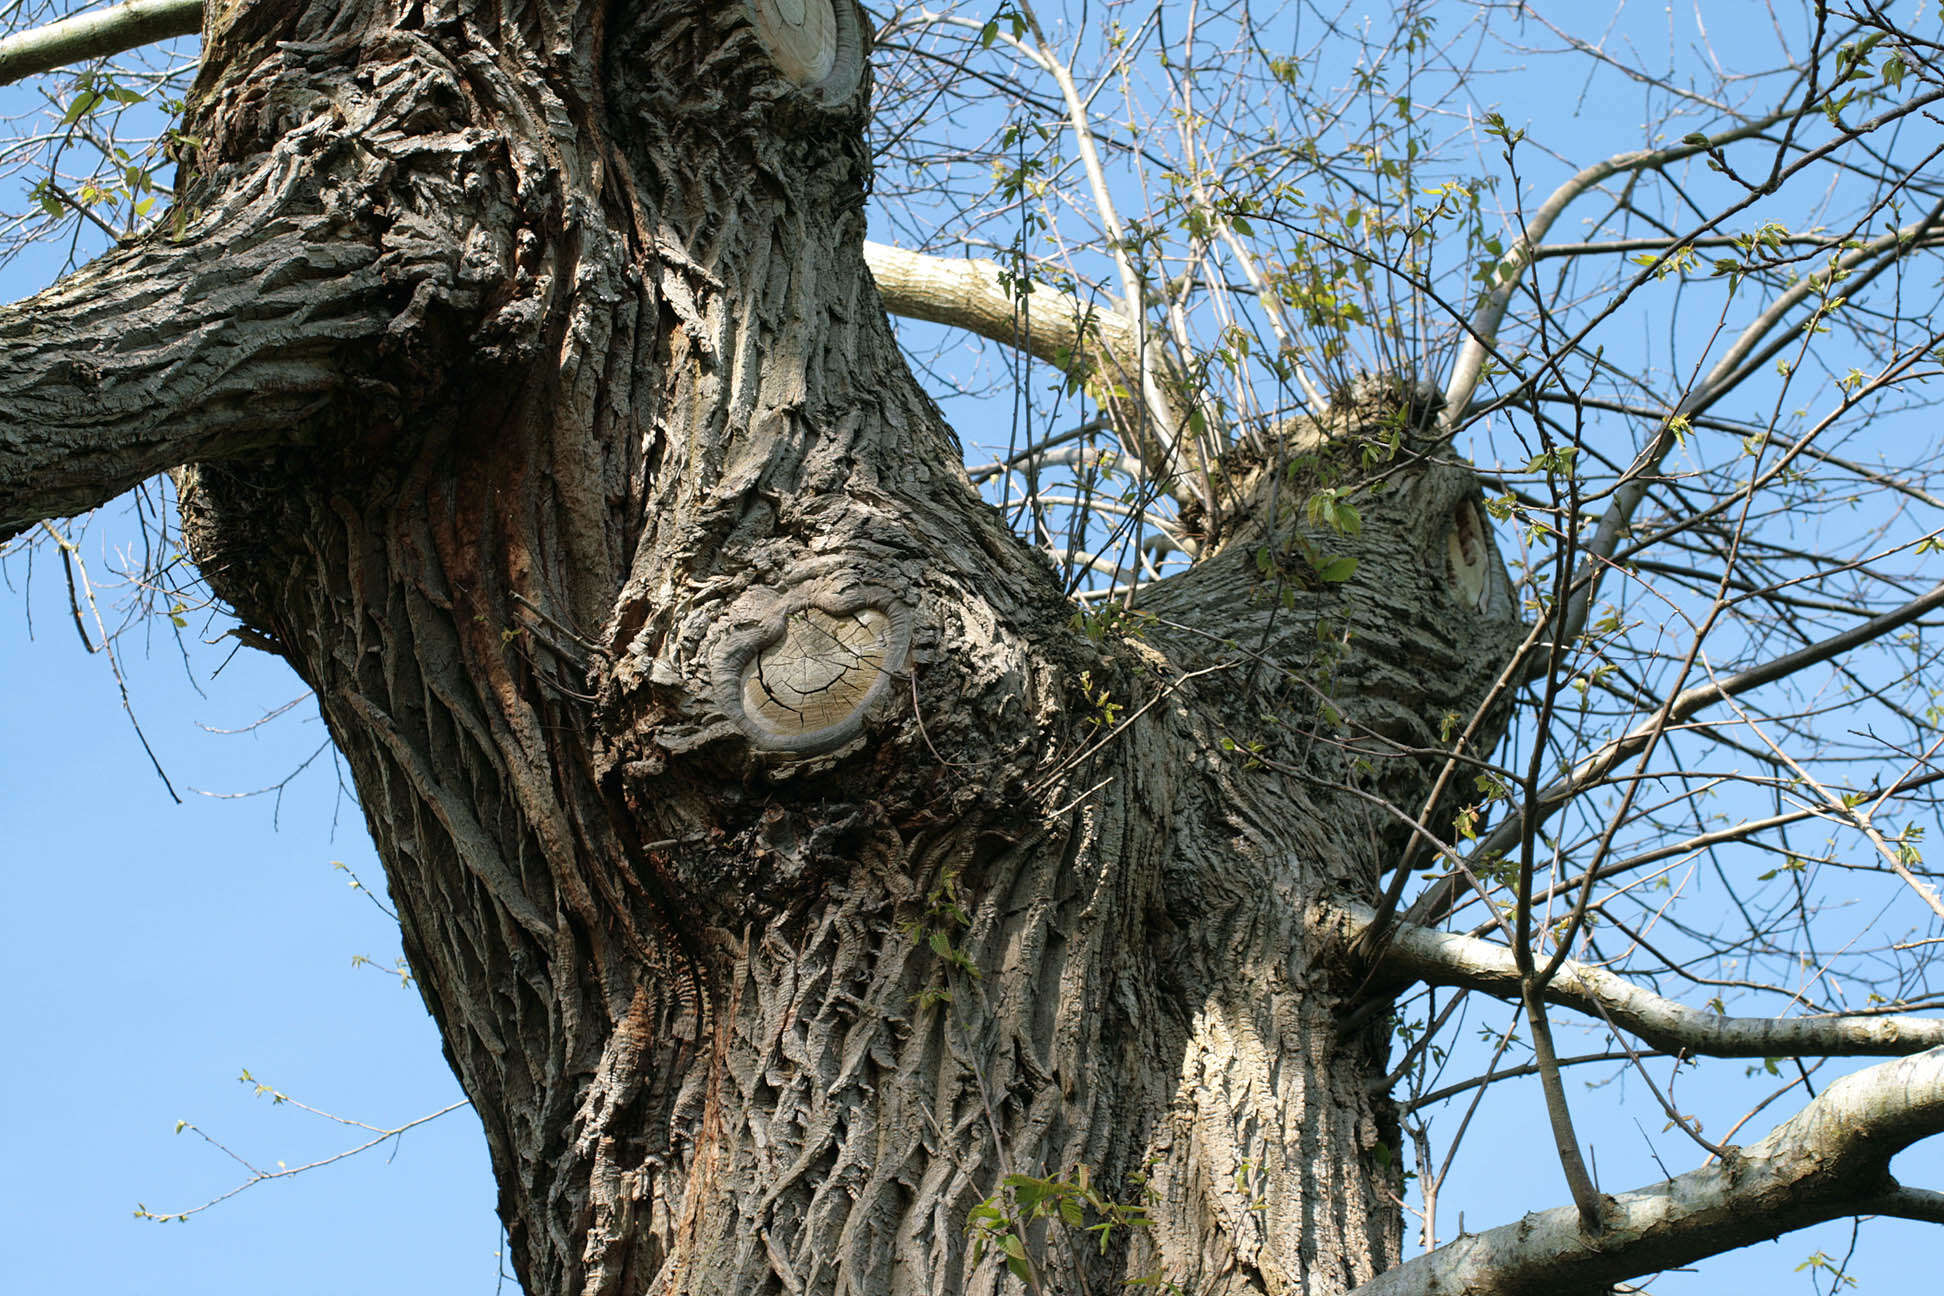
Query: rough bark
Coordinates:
[782,862]
[225,340]
[614,448]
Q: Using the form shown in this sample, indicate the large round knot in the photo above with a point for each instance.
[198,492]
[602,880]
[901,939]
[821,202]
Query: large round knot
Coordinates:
[800,35]
[801,669]
[818,674]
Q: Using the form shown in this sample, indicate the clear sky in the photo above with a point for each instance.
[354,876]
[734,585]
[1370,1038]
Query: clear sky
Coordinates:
[153,950]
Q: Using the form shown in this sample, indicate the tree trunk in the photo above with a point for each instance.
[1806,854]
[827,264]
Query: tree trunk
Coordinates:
[784,862]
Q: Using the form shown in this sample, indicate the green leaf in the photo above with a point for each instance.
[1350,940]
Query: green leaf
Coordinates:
[1029,1192]
[1337,570]
[84,101]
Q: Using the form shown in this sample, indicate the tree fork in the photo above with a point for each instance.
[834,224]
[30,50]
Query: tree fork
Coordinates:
[684,679]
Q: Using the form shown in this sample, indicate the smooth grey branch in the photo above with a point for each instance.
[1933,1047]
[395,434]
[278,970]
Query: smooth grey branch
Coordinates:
[1828,1161]
[91,35]
[1444,958]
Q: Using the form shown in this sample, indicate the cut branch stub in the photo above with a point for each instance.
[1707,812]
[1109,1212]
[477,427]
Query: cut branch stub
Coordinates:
[809,675]
[817,674]
[1469,553]
[818,44]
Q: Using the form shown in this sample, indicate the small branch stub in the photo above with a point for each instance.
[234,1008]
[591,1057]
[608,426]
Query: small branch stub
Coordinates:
[1468,554]
[808,675]
[800,35]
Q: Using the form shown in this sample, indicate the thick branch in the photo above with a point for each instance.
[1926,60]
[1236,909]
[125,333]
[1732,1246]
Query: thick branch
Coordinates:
[1082,339]
[167,353]
[1447,959]
[1074,336]
[91,35]
[311,261]
[1830,1160]
[1912,1203]
[973,295]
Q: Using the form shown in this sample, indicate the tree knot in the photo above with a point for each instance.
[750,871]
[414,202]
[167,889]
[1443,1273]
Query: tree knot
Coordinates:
[805,668]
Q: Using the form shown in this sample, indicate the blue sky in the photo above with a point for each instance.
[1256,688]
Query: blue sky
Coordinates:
[155,950]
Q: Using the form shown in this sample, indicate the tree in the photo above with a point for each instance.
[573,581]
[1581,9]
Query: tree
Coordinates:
[816,889]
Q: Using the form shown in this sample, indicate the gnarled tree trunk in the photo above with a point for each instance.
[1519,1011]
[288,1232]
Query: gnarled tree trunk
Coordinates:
[783,863]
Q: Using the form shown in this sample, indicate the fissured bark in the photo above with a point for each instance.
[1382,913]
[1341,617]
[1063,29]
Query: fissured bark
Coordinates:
[753,988]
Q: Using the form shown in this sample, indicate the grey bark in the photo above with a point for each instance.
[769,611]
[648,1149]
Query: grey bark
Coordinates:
[690,691]
[152,353]
[659,427]
[681,964]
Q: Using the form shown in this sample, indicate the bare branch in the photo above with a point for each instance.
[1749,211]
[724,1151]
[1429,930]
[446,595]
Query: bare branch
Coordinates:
[1727,374]
[1924,1204]
[232,327]
[142,362]
[974,295]
[166,353]
[91,35]
[1830,1160]
[1082,339]
[1447,959]
[1490,313]
[1589,771]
